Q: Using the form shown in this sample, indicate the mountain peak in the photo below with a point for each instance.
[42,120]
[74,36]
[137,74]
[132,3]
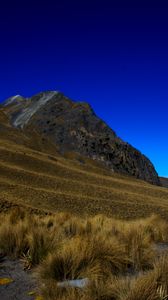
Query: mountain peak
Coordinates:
[14,99]
[45,95]
[42,97]
[29,106]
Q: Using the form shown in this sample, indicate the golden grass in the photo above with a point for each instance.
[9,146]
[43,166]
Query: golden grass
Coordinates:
[118,257]
[60,222]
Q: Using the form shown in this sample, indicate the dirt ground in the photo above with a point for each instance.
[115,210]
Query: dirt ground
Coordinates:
[15,282]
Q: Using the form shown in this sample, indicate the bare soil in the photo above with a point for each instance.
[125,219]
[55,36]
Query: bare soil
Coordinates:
[23,283]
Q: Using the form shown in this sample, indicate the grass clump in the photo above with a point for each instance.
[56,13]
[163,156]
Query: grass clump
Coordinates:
[139,248]
[13,240]
[84,257]
[25,237]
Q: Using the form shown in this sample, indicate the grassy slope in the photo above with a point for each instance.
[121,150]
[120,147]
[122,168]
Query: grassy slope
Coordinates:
[33,173]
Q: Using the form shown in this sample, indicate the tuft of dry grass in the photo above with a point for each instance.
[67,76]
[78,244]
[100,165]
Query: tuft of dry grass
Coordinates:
[139,248]
[13,239]
[85,257]
[25,236]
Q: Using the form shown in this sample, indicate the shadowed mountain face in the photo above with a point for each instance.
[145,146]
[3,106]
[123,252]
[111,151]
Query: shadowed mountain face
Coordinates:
[74,127]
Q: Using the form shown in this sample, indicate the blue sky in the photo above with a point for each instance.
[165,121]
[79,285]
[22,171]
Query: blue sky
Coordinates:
[112,54]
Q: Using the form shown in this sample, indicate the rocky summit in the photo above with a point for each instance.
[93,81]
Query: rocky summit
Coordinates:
[74,127]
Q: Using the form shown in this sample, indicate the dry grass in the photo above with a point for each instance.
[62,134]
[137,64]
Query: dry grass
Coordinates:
[23,237]
[80,240]
[91,257]
[32,172]
[104,250]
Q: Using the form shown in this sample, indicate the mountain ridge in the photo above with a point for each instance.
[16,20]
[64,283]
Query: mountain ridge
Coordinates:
[74,126]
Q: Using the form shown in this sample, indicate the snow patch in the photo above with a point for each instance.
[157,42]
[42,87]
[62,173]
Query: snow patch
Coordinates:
[11,100]
[24,117]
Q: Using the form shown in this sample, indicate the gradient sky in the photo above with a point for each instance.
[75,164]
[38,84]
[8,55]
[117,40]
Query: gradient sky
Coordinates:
[111,54]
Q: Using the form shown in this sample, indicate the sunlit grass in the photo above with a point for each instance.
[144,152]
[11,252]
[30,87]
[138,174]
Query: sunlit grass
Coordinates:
[62,247]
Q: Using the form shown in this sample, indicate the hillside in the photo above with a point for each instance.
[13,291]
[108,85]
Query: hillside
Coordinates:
[74,126]
[34,173]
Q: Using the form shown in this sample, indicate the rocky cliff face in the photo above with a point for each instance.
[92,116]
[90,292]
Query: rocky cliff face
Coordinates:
[75,127]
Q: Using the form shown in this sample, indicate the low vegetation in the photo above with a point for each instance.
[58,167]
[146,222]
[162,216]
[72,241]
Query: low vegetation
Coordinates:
[35,174]
[118,258]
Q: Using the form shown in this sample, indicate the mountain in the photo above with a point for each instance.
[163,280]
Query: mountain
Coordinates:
[35,175]
[74,127]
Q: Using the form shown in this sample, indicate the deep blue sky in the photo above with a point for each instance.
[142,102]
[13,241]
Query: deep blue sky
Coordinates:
[110,54]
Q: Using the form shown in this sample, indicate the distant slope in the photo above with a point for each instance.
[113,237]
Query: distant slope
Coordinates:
[33,173]
[74,126]
[164,181]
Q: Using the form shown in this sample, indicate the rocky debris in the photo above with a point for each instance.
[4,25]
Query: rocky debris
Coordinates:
[75,127]
[79,283]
